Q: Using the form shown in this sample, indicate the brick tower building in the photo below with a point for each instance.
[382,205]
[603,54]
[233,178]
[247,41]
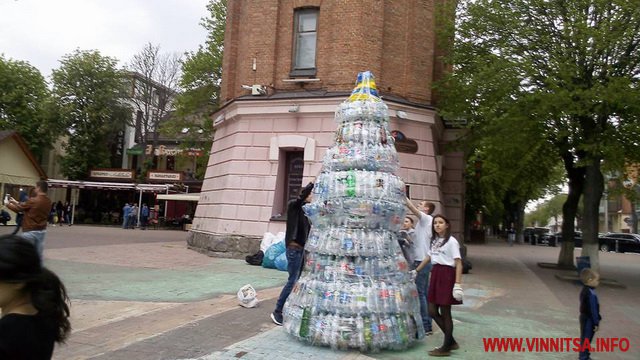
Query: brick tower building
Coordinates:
[287,65]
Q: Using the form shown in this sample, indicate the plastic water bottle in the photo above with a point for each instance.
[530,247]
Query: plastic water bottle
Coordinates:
[361,298]
[360,331]
[304,323]
[383,298]
[402,329]
[351,184]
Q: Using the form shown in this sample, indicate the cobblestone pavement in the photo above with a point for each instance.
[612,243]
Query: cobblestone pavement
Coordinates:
[143,295]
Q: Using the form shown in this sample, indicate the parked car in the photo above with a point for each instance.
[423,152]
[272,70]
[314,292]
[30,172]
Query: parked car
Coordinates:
[556,238]
[626,242]
[532,235]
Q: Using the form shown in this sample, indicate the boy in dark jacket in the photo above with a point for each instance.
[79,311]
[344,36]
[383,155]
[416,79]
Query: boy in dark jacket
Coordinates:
[296,234]
[589,310]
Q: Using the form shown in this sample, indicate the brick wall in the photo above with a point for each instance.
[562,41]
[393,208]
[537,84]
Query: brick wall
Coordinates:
[393,38]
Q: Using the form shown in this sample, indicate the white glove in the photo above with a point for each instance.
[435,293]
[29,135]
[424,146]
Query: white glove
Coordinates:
[457,292]
[413,274]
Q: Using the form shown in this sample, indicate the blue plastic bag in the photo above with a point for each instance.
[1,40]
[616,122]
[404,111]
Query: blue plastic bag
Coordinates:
[272,253]
[281,262]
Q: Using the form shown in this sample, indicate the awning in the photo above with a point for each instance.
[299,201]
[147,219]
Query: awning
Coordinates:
[54,183]
[179,197]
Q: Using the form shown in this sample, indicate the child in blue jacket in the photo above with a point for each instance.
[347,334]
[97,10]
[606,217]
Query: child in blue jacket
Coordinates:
[589,310]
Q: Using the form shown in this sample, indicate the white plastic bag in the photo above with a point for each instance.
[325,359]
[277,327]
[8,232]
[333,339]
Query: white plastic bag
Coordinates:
[267,240]
[247,296]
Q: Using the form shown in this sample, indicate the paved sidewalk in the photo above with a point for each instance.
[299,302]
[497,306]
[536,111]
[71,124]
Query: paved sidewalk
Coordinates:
[143,295]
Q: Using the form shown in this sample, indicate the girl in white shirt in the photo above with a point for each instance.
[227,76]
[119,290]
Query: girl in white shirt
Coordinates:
[446,278]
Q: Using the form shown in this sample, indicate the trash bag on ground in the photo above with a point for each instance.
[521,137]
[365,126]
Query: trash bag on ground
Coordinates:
[281,262]
[272,253]
[269,239]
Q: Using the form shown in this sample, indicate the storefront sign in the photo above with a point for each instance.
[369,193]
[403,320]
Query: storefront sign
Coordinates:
[121,174]
[194,152]
[164,176]
[172,151]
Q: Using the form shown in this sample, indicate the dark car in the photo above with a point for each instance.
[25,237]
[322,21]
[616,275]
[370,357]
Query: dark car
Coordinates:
[556,238]
[619,242]
[532,235]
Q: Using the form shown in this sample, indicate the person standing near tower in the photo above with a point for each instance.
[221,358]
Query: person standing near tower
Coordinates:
[422,237]
[297,231]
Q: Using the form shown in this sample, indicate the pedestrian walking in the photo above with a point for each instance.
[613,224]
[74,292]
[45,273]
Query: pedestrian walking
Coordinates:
[126,210]
[296,233]
[67,213]
[144,216]
[36,211]
[52,215]
[445,287]
[511,234]
[59,212]
[589,311]
[420,249]
[133,216]
[33,300]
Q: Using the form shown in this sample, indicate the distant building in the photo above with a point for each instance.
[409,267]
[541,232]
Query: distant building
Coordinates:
[18,167]
[172,165]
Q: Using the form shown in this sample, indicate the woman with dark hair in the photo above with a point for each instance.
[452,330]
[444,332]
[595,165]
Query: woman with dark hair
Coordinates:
[445,286]
[33,300]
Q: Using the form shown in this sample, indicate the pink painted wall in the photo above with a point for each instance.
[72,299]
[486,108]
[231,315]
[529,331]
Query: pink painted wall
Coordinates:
[239,190]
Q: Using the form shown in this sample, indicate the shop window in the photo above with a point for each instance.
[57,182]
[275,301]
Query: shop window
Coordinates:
[304,42]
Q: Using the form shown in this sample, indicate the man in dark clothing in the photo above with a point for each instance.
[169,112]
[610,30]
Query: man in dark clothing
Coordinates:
[296,234]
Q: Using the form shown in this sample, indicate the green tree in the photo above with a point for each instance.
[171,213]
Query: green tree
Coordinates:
[88,90]
[551,208]
[506,169]
[201,76]
[568,71]
[26,106]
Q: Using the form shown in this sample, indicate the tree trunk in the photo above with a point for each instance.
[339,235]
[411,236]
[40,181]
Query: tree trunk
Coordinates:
[520,222]
[569,209]
[594,187]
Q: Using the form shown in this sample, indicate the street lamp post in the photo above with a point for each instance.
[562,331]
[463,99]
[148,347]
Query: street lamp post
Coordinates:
[606,209]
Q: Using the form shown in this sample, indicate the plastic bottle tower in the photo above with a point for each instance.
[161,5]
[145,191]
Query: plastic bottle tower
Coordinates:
[355,290]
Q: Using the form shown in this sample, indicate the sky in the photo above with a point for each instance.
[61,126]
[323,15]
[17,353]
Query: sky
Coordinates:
[41,32]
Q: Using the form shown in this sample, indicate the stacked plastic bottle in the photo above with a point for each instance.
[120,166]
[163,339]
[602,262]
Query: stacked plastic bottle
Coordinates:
[355,290]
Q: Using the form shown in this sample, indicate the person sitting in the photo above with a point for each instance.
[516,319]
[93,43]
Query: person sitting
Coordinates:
[33,300]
